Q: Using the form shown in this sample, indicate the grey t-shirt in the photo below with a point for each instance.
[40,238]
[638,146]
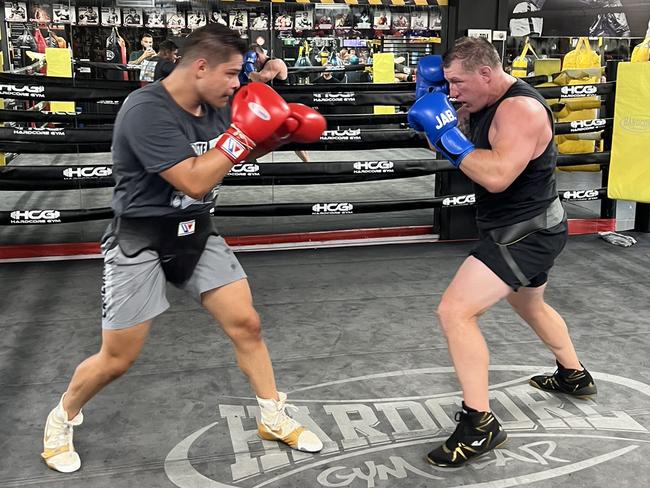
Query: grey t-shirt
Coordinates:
[152,133]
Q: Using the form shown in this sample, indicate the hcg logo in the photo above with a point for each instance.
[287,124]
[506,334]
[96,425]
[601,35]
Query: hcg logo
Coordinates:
[579,90]
[244,169]
[580,195]
[88,172]
[459,200]
[332,208]
[374,167]
[34,216]
[588,124]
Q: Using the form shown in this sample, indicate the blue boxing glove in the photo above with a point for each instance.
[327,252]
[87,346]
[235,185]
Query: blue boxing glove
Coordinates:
[249,66]
[434,115]
[429,77]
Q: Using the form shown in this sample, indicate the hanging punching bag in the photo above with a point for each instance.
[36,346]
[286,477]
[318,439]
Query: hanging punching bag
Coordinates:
[26,42]
[122,57]
[41,45]
[113,55]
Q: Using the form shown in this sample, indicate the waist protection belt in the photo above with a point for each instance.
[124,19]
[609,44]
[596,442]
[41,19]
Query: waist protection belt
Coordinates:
[179,241]
[510,234]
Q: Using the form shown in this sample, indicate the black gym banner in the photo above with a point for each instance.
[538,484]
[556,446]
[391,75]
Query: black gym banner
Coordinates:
[65,140]
[333,120]
[61,117]
[320,208]
[108,118]
[39,92]
[351,97]
[12,78]
[31,178]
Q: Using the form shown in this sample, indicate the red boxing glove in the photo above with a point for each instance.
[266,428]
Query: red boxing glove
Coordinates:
[304,124]
[257,113]
[311,124]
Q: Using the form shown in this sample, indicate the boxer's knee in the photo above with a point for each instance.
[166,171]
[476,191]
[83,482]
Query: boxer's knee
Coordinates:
[244,327]
[453,315]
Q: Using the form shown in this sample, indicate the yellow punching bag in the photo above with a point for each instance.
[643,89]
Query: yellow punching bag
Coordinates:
[641,52]
[629,166]
[59,63]
[383,71]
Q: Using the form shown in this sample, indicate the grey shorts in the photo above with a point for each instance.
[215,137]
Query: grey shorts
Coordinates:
[134,289]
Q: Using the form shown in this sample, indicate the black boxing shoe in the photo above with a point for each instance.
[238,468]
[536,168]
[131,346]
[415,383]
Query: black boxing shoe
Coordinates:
[570,381]
[476,434]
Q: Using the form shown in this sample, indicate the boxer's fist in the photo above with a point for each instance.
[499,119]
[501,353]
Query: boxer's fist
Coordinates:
[434,115]
[304,124]
[429,77]
[250,62]
[257,112]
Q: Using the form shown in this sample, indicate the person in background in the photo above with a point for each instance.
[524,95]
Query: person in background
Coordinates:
[260,67]
[167,57]
[402,72]
[162,64]
[356,76]
[326,77]
[147,51]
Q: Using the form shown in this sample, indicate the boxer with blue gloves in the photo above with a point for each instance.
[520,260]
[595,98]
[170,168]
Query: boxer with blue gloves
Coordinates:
[510,155]
[249,66]
[434,115]
[429,77]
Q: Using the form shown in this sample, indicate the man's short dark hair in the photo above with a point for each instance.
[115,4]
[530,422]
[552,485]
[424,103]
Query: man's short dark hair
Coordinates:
[146,34]
[473,52]
[214,42]
[167,45]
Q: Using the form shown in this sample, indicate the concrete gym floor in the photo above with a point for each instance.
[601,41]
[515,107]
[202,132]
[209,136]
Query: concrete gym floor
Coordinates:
[352,335]
[354,342]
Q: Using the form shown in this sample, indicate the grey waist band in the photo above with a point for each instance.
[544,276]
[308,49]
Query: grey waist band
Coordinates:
[505,236]
[510,234]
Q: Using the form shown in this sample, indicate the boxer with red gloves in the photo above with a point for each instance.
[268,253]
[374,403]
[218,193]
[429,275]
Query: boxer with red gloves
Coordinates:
[168,162]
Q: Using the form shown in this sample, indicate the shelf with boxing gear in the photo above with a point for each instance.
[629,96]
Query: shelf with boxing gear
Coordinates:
[280,29]
[339,35]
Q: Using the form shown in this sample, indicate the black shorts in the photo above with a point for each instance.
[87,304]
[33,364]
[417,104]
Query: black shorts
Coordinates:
[535,255]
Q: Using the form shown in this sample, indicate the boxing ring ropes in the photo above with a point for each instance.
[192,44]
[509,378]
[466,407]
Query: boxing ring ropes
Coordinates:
[348,132]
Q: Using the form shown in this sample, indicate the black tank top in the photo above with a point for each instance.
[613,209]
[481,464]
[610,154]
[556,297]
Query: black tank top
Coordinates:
[275,81]
[533,190]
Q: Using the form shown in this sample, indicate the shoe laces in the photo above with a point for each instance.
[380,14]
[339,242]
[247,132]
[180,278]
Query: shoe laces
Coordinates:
[282,420]
[575,376]
[460,416]
[61,433]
